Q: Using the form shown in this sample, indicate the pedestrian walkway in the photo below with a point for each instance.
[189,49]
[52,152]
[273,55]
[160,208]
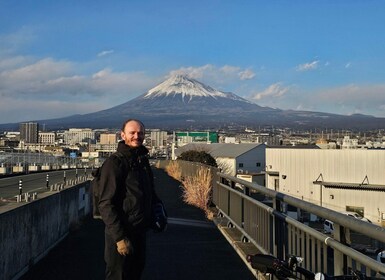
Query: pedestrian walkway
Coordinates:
[191,248]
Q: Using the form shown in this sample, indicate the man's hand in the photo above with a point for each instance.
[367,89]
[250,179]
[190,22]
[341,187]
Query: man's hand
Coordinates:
[124,247]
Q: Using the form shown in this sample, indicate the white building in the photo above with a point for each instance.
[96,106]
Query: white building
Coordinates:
[158,138]
[47,138]
[78,135]
[108,138]
[341,180]
[233,159]
[348,143]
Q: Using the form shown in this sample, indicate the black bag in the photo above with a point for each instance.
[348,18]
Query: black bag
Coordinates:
[95,187]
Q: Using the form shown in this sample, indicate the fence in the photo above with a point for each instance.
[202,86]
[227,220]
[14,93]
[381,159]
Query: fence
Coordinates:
[273,232]
[258,213]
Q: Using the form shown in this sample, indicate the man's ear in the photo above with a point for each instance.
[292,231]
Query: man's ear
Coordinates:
[122,135]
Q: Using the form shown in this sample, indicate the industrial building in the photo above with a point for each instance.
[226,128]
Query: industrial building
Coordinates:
[341,180]
[233,159]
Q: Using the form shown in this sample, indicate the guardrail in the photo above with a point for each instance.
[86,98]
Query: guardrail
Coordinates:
[274,232]
[259,214]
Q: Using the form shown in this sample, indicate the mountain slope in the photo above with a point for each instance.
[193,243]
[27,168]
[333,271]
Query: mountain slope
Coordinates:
[181,95]
[181,102]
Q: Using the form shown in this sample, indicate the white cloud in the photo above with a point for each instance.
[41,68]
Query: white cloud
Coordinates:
[348,65]
[50,77]
[8,63]
[346,100]
[246,74]
[11,43]
[38,88]
[273,91]
[355,94]
[15,110]
[104,53]
[229,70]
[193,72]
[214,75]
[27,85]
[32,77]
[308,66]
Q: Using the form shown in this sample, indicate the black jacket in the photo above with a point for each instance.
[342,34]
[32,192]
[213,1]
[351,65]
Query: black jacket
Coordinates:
[127,192]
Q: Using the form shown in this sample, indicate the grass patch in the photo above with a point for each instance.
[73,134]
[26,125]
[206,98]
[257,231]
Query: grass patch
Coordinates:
[174,170]
[197,190]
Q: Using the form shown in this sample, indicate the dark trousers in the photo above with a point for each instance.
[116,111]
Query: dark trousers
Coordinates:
[128,267]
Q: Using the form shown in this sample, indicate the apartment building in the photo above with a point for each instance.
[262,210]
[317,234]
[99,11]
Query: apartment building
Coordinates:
[107,138]
[158,138]
[29,132]
[47,138]
[78,135]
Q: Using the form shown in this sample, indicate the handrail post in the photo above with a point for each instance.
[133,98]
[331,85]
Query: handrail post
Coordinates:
[246,191]
[342,235]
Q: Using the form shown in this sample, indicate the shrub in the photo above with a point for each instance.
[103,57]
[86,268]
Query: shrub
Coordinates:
[198,156]
[197,190]
[173,169]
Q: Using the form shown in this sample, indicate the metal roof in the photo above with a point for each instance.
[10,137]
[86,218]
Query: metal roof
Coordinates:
[219,149]
[233,150]
[350,186]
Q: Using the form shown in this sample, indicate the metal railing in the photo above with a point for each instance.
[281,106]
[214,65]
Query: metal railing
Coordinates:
[23,157]
[259,214]
[274,232]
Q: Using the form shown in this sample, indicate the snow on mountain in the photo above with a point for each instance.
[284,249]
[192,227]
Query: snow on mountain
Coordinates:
[188,88]
[181,102]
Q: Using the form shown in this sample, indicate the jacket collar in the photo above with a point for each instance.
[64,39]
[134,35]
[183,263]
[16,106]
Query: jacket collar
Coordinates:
[127,150]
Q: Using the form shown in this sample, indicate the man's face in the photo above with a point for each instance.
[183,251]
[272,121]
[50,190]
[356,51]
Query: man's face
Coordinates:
[133,134]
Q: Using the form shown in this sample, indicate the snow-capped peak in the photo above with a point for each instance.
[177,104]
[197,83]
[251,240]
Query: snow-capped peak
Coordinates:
[188,88]
[181,84]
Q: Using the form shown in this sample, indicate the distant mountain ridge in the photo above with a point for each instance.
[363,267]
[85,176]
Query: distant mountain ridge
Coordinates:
[181,102]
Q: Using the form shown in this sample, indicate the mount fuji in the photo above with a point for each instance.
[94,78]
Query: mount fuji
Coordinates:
[180,102]
[179,96]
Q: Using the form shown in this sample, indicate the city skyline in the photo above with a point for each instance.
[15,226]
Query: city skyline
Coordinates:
[64,58]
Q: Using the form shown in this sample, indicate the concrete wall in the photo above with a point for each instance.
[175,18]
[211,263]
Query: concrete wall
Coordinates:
[29,230]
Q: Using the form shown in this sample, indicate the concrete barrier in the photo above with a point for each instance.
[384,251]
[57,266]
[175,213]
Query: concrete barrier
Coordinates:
[5,170]
[34,168]
[17,169]
[46,167]
[29,230]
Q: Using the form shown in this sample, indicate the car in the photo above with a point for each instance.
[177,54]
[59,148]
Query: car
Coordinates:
[356,216]
[328,226]
[381,257]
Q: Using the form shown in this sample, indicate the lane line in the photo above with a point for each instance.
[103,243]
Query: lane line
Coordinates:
[188,222]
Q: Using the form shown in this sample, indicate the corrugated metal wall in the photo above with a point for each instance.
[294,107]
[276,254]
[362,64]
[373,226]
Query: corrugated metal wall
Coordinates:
[298,168]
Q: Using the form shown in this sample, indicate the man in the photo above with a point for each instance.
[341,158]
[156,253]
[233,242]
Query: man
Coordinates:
[127,202]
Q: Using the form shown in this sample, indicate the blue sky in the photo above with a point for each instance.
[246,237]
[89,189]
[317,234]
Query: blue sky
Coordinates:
[59,58]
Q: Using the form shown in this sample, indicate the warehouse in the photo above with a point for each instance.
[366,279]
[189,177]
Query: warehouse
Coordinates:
[341,180]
